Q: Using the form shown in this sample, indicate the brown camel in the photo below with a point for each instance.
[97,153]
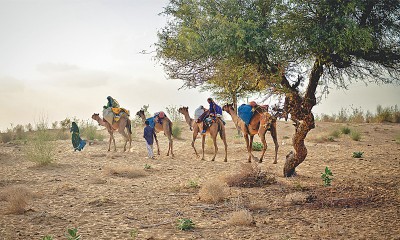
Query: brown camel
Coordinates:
[185,112]
[124,122]
[165,127]
[213,130]
[260,123]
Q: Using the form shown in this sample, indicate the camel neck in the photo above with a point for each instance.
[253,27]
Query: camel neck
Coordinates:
[234,116]
[187,118]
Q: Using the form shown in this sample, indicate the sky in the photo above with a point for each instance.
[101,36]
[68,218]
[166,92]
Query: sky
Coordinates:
[62,58]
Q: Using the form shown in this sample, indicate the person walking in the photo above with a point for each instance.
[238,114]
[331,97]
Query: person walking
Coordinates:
[149,135]
[77,142]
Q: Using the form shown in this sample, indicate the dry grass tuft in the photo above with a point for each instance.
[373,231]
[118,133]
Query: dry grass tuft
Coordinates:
[125,171]
[213,191]
[250,175]
[17,197]
[241,218]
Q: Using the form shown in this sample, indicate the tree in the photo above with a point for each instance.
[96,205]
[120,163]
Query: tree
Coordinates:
[315,43]
[233,80]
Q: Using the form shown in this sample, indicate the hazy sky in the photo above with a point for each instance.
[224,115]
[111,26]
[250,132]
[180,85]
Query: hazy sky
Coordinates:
[62,58]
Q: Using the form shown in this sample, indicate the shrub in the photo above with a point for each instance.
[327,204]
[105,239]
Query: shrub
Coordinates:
[241,218]
[355,135]
[250,175]
[357,116]
[345,130]
[335,134]
[47,237]
[6,136]
[357,154]
[257,146]
[40,148]
[185,224]
[213,192]
[383,114]
[176,131]
[61,135]
[17,198]
[326,177]
[19,132]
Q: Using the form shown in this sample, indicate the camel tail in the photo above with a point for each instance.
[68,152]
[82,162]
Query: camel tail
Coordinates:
[129,126]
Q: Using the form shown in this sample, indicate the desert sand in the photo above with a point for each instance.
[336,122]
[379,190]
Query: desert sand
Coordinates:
[81,189]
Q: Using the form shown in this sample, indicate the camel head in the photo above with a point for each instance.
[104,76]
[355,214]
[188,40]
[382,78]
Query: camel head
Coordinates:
[140,113]
[96,116]
[228,107]
[183,110]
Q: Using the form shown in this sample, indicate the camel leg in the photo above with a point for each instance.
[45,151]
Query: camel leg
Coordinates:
[246,138]
[126,137]
[158,147]
[171,143]
[195,132]
[264,142]
[275,138]
[111,139]
[223,137]
[215,146]
[251,148]
[109,142]
[203,139]
[170,146]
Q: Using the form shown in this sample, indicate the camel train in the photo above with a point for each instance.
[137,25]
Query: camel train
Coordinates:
[261,122]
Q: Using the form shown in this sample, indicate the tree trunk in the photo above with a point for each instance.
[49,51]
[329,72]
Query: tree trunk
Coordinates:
[300,110]
[234,99]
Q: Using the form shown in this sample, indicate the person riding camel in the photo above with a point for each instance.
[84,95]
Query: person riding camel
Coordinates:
[215,111]
[111,103]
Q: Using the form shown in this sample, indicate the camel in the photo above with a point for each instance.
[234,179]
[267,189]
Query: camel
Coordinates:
[166,127]
[124,122]
[213,130]
[185,112]
[260,123]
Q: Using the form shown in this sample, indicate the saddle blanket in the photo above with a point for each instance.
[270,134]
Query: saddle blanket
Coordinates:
[245,113]
[152,122]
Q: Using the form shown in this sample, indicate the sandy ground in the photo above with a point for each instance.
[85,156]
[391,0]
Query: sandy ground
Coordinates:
[79,191]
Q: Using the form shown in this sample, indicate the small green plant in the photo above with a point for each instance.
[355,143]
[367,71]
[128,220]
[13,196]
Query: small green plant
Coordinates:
[147,166]
[257,146]
[355,135]
[345,130]
[133,233]
[47,237]
[330,138]
[326,177]
[73,234]
[185,224]
[357,154]
[193,184]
